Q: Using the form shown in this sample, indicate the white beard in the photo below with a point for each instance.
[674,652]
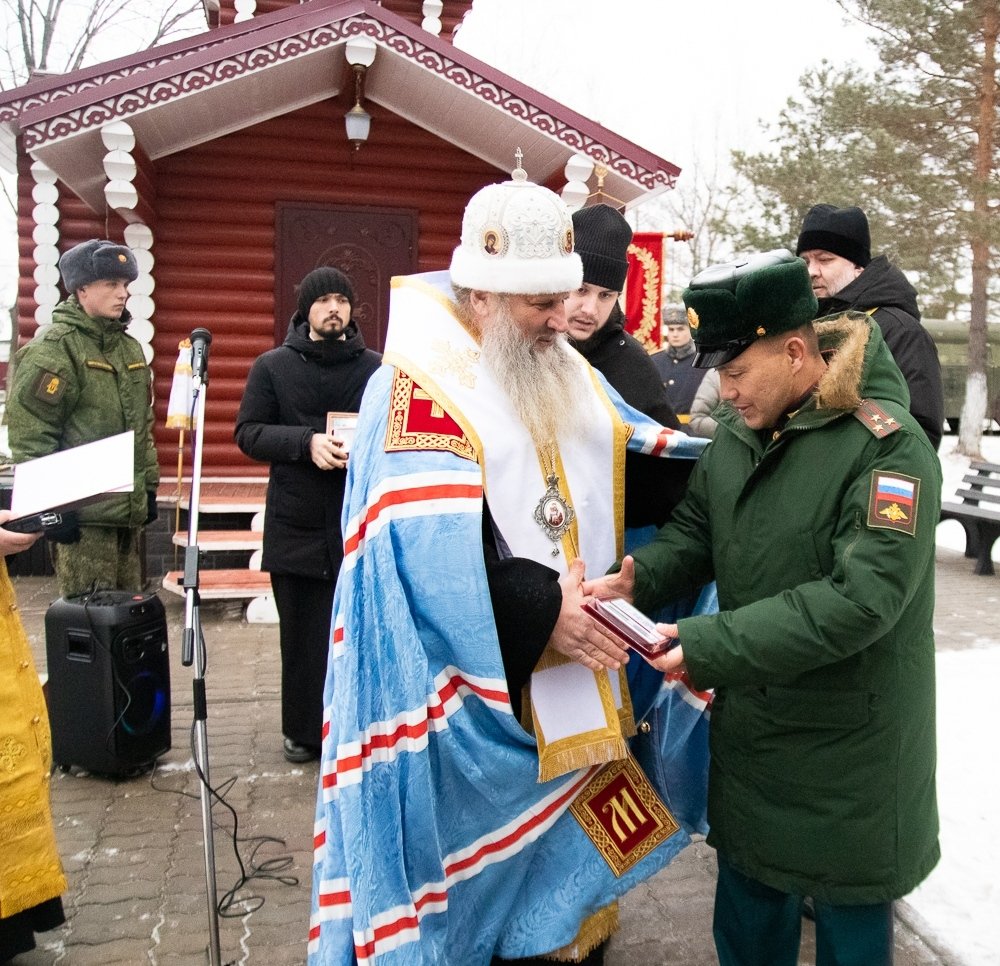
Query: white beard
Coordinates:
[547,389]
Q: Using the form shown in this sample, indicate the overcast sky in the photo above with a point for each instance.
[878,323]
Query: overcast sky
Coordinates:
[684,80]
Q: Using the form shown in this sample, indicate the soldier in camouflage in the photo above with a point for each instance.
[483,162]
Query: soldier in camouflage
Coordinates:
[83,379]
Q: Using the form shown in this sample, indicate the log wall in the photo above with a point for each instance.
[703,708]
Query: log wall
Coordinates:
[214,235]
[215,239]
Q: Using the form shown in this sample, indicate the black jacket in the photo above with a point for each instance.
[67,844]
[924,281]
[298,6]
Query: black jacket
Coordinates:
[883,287]
[653,487]
[622,360]
[288,393]
[679,376]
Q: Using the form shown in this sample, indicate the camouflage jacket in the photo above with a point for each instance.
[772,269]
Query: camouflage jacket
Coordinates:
[81,380]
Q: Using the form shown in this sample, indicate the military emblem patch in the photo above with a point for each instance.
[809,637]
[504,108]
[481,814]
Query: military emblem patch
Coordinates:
[893,502]
[49,387]
[622,814]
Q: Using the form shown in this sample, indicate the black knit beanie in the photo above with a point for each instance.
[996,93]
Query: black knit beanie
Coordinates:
[602,237]
[323,281]
[842,231]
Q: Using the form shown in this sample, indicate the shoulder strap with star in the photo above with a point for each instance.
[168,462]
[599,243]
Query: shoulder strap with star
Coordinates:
[878,422]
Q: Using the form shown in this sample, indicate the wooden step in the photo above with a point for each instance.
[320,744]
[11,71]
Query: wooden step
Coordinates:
[209,540]
[222,584]
[218,496]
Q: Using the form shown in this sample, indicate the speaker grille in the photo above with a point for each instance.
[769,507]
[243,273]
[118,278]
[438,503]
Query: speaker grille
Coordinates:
[109,681]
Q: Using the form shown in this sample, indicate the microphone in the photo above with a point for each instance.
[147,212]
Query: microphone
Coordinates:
[201,339]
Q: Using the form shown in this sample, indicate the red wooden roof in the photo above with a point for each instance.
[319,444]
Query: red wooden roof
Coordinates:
[195,90]
[452,14]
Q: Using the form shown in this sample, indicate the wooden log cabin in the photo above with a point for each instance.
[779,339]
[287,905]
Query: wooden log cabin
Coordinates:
[222,159]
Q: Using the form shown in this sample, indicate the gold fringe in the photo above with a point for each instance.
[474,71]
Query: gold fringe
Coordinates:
[595,929]
[552,764]
[585,749]
[626,716]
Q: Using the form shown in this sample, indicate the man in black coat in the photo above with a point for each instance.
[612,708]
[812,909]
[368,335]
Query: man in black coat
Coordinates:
[321,368]
[675,362]
[597,332]
[596,320]
[836,246]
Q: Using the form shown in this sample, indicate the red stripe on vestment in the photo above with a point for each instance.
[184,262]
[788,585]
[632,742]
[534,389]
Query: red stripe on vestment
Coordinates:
[450,689]
[661,442]
[417,494]
[384,932]
[500,844]
[434,711]
[684,679]
[343,764]
[334,898]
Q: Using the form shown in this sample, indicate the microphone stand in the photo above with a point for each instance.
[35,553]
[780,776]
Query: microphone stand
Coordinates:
[200,340]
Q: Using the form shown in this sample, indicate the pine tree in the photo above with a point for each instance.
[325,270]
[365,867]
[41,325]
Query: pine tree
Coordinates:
[917,145]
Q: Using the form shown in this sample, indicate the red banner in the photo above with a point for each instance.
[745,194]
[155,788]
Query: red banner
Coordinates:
[644,288]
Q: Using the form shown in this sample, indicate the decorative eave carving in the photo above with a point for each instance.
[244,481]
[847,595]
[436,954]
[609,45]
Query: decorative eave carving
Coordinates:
[130,102]
[13,109]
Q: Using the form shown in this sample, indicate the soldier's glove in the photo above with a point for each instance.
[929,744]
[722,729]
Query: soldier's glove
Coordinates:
[66,532]
[151,511]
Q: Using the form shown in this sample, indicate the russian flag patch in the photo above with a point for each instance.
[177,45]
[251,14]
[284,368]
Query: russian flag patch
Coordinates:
[893,502]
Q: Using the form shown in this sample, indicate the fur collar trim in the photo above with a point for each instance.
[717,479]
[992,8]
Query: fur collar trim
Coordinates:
[843,342]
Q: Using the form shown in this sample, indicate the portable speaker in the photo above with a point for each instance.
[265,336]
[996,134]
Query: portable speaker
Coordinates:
[109,681]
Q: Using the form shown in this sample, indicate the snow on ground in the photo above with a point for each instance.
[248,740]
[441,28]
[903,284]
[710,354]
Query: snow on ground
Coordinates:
[953,467]
[960,899]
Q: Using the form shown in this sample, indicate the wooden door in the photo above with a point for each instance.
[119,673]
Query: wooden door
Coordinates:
[369,245]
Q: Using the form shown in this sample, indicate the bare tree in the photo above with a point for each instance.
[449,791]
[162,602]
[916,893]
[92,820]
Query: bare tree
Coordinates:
[64,35]
[707,195]
[42,36]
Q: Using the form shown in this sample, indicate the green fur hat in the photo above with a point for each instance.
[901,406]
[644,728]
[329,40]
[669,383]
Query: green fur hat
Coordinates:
[730,306]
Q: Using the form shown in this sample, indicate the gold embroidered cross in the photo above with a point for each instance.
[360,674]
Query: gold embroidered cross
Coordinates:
[437,412]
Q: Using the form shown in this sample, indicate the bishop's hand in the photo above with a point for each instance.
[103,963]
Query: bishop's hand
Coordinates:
[576,635]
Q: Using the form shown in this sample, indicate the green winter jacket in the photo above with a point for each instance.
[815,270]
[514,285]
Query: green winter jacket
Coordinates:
[81,380]
[822,654]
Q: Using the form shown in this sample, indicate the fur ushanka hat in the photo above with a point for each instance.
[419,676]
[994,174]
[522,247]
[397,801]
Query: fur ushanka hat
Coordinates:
[730,306]
[95,260]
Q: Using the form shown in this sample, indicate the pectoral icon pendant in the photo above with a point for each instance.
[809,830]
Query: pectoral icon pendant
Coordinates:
[553,514]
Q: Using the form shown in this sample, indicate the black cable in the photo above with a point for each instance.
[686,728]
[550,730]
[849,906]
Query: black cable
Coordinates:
[268,869]
[87,599]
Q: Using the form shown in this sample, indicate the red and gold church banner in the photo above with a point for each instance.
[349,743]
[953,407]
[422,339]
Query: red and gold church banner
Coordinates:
[643,288]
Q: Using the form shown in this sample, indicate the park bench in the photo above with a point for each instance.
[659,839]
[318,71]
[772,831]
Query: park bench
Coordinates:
[977,508]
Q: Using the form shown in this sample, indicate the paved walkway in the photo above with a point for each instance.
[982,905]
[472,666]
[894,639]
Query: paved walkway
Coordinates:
[133,848]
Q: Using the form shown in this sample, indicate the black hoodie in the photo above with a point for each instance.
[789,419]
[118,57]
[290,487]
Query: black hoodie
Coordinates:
[622,360]
[884,288]
[288,393]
